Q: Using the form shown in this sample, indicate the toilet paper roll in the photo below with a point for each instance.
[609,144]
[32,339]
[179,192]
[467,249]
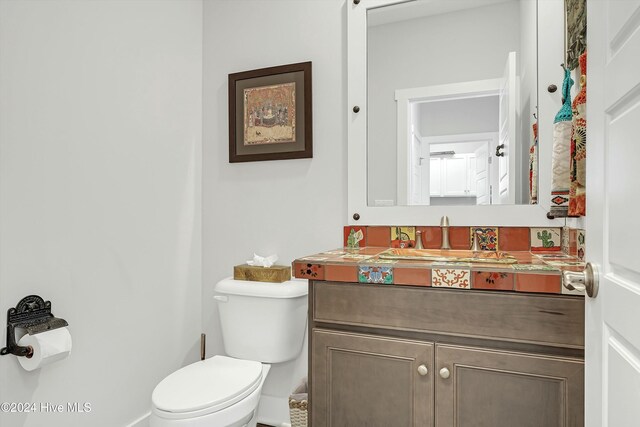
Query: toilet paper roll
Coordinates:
[48,347]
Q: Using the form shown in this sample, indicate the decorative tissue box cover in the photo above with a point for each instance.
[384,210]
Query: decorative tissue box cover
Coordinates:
[274,274]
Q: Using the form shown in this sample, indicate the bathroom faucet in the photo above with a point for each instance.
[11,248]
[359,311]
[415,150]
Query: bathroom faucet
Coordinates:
[444,226]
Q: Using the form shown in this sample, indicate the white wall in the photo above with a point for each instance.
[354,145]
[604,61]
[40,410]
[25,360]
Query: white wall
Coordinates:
[289,207]
[455,117]
[100,146]
[454,47]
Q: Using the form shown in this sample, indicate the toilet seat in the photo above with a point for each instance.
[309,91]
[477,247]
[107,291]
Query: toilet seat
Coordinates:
[206,386]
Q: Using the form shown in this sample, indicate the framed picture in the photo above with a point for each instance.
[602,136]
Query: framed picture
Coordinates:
[270,114]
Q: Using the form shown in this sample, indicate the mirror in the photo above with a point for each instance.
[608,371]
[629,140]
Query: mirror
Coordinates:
[536,68]
[451,92]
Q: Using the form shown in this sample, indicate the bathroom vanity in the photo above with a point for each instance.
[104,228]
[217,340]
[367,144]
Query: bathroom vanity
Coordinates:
[382,356]
[443,343]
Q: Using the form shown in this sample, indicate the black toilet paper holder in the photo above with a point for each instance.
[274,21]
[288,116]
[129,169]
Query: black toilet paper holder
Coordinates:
[33,314]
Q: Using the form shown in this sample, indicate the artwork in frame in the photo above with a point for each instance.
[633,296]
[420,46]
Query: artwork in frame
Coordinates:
[270,114]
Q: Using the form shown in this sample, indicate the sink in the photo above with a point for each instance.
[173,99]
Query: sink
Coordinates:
[449,255]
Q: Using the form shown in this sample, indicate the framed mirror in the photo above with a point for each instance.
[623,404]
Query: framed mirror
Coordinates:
[442,96]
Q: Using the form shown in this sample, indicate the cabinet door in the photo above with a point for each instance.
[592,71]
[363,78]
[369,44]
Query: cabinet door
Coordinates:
[455,176]
[487,388]
[362,380]
[435,176]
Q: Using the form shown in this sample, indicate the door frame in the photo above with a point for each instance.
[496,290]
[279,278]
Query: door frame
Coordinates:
[406,97]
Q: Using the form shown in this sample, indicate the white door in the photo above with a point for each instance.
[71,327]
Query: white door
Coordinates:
[507,133]
[417,169]
[613,116]
[481,181]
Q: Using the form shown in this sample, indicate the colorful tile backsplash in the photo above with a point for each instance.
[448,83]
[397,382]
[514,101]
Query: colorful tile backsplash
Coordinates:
[542,253]
[535,239]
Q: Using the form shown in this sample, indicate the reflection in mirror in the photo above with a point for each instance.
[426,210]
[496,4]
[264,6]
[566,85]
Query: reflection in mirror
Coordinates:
[451,95]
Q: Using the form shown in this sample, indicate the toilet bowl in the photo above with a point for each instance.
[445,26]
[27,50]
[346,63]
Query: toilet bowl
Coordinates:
[219,391]
[261,324]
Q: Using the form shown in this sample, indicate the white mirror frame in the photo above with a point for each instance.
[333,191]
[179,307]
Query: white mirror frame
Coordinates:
[505,215]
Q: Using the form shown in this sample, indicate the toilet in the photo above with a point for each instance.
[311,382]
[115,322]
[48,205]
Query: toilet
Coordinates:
[262,324]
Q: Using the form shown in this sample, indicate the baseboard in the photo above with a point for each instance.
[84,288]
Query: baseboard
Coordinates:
[274,411]
[143,421]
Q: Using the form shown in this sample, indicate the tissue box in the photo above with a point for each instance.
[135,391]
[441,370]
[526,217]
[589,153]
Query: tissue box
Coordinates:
[274,274]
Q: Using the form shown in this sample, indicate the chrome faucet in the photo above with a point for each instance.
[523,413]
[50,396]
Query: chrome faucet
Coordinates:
[444,227]
[475,244]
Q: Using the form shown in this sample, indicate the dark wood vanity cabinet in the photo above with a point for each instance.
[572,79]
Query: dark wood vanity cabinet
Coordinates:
[379,357]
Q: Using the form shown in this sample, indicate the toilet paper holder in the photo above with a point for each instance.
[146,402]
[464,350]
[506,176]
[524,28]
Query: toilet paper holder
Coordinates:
[33,314]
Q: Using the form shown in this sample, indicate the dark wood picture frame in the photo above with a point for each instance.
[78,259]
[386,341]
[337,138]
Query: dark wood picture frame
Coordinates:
[299,124]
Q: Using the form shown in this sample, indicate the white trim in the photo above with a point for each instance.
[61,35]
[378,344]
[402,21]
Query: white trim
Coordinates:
[404,99]
[508,215]
[462,137]
[143,421]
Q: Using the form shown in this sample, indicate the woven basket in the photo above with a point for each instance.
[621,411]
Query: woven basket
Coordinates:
[298,411]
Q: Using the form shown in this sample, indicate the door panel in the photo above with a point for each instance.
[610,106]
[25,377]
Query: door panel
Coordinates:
[613,113]
[489,388]
[362,380]
[507,132]
[481,184]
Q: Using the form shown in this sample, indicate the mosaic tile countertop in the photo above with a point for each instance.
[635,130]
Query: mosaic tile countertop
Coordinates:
[532,272]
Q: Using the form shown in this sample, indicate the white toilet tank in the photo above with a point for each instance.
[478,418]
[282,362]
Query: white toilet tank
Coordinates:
[262,321]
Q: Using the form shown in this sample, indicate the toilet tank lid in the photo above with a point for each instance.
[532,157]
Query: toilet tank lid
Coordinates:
[293,288]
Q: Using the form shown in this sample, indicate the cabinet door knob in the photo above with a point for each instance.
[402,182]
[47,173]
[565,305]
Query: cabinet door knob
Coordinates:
[444,373]
[422,370]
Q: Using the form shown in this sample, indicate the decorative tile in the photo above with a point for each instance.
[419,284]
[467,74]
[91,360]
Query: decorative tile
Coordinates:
[492,280]
[403,237]
[534,267]
[487,267]
[564,243]
[542,283]
[573,242]
[412,276]
[514,239]
[308,271]
[355,257]
[379,236]
[315,258]
[459,238]
[525,257]
[371,251]
[450,278]
[582,248]
[354,237]
[341,273]
[545,239]
[375,274]
[554,257]
[376,260]
[431,237]
[566,263]
[451,264]
[487,238]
